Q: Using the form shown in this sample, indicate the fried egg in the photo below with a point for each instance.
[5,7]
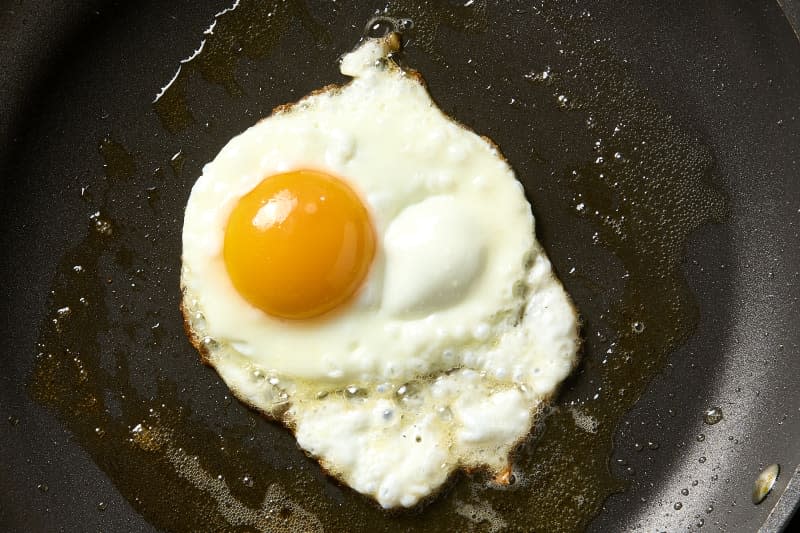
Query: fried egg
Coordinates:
[364,269]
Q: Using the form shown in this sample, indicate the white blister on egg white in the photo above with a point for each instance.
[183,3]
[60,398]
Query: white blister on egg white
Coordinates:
[460,331]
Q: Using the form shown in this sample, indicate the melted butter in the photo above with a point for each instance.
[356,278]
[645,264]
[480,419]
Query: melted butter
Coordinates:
[228,469]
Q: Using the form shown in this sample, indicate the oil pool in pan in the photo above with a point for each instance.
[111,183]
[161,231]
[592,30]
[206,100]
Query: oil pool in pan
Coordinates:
[596,155]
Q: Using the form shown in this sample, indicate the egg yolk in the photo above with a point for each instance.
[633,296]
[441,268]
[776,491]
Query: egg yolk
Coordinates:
[299,245]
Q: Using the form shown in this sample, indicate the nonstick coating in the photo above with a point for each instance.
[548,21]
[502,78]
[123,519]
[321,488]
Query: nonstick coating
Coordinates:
[78,76]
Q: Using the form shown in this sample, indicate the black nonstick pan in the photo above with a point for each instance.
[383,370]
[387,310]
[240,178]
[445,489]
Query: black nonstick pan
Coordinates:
[658,142]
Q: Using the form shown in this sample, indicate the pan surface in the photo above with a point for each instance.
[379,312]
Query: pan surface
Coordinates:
[658,144]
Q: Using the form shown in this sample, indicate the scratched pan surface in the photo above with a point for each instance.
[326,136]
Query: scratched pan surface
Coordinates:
[658,143]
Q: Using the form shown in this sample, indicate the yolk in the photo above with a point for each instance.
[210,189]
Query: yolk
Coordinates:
[299,245]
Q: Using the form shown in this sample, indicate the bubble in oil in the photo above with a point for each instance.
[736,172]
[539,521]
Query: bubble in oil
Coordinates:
[209,343]
[585,421]
[380,26]
[544,76]
[101,224]
[355,392]
[712,416]
[407,391]
[404,24]
[482,513]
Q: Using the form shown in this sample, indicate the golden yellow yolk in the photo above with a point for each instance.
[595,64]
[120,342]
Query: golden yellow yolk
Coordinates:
[299,245]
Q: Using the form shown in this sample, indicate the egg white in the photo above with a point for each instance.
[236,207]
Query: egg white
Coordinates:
[460,331]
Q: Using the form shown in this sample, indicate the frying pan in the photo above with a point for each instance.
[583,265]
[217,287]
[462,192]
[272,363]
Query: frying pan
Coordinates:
[658,144]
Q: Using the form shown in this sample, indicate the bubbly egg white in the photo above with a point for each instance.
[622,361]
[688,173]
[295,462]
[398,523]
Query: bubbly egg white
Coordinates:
[460,331]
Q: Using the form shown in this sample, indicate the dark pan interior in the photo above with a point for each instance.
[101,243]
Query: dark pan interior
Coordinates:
[676,235]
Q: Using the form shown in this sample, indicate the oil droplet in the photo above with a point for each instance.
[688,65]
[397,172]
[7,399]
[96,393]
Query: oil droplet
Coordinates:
[701,460]
[764,482]
[637,327]
[685,492]
[247,480]
[701,437]
[701,522]
[43,487]
[709,509]
[102,506]
[678,506]
[712,416]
